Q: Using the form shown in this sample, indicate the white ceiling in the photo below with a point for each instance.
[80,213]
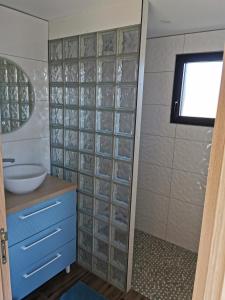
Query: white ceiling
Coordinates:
[167,17]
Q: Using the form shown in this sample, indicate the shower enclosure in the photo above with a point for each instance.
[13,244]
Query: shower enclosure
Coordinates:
[93,104]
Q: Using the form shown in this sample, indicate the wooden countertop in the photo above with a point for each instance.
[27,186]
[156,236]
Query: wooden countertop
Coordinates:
[50,188]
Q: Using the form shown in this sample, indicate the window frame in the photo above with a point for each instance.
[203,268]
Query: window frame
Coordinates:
[181,60]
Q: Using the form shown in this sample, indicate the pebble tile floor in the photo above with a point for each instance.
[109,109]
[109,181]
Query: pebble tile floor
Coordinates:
[161,270]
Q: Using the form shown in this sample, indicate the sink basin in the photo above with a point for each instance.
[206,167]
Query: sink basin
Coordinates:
[22,179]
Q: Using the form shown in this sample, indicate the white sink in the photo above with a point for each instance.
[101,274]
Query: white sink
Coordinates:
[22,179]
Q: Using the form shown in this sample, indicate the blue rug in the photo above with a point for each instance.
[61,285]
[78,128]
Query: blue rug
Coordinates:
[80,291]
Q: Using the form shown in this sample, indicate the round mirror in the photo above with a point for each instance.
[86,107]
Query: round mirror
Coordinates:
[16,96]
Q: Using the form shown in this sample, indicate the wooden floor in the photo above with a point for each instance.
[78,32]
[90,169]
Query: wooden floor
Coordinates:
[55,287]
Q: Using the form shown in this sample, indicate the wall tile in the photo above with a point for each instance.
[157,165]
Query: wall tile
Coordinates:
[188,187]
[154,178]
[158,88]
[191,156]
[204,41]
[161,53]
[150,226]
[152,206]
[156,121]
[23,35]
[184,224]
[157,150]
[195,133]
[29,151]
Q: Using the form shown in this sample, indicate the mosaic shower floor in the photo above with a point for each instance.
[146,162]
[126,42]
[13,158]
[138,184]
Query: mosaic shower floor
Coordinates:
[161,270]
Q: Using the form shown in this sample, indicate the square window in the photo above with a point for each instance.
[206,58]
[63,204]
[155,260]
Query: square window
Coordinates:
[196,88]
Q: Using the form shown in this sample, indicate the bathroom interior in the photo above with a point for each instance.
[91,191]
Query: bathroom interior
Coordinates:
[106,133]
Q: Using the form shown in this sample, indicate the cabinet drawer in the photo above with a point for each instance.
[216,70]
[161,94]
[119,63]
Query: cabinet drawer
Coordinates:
[30,221]
[40,245]
[30,278]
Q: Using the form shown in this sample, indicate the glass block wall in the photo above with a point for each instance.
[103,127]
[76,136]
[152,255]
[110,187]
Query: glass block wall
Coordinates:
[93,90]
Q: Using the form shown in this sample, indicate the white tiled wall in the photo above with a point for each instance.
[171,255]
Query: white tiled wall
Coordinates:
[26,44]
[173,158]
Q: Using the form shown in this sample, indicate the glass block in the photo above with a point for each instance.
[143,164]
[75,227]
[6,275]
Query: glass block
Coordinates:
[57,172]
[120,238]
[104,121]
[71,139]
[120,215]
[123,171]
[101,229]
[56,116]
[6,126]
[87,96]
[85,203]
[88,45]
[104,144]
[100,268]
[87,163]
[71,118]
[12,73]
[57,156]
[4,94]
[87,119]
[55,49]
[5,110]
[71,95]
[70,47]
[15,124]
[119,259]
[85,240]
[85,222]
[101,249]
[87,142]
[88,71]
[107,43]
[85,258]
[24,112]
[102,209]
[24,94]
[3,74]
[71,72]
[56,72]
[57,137]
[106,96]
[86,183]
[121,194]
[70,176]
[14,110]
[71,159]
[56,95]
[129,40]
[124,123]
[124,148]
[127,70]
[126,97]
[13,93]
[103,189]
[118,278]
[107,70]
[104,167]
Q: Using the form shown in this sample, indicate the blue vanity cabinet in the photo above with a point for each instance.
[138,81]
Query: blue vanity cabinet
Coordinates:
[42,242]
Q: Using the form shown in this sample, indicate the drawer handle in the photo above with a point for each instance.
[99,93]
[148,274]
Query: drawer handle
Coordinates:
[58,255]
[41,240]
[40,210]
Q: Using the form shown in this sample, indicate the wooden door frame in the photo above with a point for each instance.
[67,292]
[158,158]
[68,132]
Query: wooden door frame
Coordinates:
[210,280]
[5,285]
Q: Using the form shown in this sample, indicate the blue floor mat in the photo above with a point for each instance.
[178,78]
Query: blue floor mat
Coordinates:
[80,291]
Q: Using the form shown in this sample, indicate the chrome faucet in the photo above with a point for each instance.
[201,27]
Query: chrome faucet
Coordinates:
[8,160]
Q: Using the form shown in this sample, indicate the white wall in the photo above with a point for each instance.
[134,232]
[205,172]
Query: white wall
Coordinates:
[24,40]
[94,18]
[174,158]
